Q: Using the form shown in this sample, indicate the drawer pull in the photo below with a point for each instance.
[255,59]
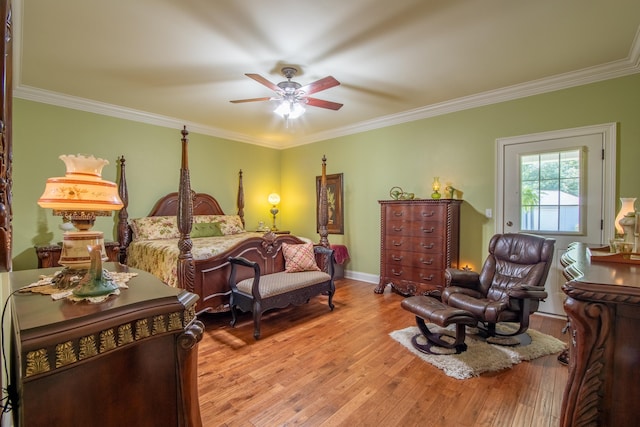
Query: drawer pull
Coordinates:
[427,262]
[427,278]
[396,258]
[425,246]
[394,243]
[399,273]
[428,214]
[398,213]
[428,230]
[398,229]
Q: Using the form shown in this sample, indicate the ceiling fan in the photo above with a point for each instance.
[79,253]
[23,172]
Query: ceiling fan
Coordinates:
[292,96]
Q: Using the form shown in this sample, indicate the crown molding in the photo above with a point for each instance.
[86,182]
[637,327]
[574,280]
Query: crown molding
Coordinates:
[614,69]
[611,70]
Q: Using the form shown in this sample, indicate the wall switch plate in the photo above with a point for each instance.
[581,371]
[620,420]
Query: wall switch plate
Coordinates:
[488,213]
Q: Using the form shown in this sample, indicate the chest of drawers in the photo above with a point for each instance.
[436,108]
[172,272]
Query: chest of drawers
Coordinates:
[419,240]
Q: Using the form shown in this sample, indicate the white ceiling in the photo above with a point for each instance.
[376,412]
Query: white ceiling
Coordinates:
[174,62]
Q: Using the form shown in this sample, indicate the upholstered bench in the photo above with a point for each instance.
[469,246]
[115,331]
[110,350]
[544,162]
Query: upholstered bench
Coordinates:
[263,292]
[434,311]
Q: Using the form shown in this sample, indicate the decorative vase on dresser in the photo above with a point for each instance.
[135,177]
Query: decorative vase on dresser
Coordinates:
[420,239]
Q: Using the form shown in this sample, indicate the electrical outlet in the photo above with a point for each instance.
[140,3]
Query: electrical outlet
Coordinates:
[488,213]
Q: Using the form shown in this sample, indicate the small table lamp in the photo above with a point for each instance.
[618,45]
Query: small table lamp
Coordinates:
[436,188]
[79,197]
[274,200]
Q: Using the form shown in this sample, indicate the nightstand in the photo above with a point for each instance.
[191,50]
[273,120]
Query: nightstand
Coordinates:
[49,255]
[130,360]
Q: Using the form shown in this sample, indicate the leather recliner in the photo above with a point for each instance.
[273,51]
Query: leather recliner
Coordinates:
[510,285]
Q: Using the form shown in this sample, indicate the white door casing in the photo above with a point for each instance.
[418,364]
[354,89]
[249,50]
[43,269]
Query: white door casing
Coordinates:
[597,205]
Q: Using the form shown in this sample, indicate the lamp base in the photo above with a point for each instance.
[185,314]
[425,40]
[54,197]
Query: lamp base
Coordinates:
[68,278]
[97,282]
[95,285]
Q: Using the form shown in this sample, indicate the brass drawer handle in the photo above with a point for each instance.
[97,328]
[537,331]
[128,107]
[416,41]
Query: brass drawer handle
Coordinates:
[394,243]
[428,230]
[398,213]
[423,261]
[396,258]
[427,278]
[428,214]
[399,273]
[429,246]
[397,228]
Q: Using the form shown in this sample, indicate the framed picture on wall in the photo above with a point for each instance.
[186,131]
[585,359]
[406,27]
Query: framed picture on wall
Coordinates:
[335,200]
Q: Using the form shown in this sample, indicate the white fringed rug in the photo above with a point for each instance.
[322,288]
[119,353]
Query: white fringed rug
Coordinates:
[480,356]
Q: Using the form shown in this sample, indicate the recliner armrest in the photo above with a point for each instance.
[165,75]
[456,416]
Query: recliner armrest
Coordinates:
[527,291]
[461,278]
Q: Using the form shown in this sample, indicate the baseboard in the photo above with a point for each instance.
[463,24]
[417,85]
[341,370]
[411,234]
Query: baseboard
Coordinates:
[363,277]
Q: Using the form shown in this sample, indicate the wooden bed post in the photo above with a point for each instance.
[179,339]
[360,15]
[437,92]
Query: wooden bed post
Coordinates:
[186,268]
[6,148]
[240,201]
[123,216]
[323,207]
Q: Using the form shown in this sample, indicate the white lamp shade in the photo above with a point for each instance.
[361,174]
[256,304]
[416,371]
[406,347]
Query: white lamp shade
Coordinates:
[274,198]
[627,205]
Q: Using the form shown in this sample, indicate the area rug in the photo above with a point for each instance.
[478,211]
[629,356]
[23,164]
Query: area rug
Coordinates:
[480,356]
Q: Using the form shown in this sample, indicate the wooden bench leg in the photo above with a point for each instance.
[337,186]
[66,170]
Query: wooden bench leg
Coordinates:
[234,314]
[257,315]
[436,339]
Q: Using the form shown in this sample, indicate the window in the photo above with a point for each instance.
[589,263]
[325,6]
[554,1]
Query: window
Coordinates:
[550,189]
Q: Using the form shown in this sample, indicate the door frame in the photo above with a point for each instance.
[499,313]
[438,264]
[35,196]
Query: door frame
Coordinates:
[608,132]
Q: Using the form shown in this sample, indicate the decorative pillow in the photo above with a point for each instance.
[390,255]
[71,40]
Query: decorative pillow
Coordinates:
[229,224]
[299,258]
[155,227]
[206,229]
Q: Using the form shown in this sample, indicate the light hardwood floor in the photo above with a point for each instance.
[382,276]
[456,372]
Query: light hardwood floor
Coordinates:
[314,367]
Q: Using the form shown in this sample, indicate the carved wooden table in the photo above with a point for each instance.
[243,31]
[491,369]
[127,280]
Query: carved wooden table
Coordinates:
[603,305]
[131,360]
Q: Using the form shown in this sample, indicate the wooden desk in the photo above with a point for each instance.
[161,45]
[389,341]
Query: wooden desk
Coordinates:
[131,360]
[603,305]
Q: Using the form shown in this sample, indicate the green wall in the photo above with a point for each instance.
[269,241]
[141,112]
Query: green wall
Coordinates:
[458,147]
[43,132]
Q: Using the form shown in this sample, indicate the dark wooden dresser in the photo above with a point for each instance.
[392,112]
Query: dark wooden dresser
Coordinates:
[603,305]
[129,361]
[419,240]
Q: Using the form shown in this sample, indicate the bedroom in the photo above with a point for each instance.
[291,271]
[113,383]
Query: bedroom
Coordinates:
[457,146]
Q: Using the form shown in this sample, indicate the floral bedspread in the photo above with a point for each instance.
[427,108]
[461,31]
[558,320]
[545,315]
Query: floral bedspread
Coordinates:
[160,257]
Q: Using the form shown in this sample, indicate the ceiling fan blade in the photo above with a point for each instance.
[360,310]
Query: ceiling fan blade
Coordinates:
[237,101]
[317,86]
[263,81]
[315,102]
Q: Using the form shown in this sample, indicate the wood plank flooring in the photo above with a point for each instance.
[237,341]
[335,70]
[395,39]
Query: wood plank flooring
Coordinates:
[314,367]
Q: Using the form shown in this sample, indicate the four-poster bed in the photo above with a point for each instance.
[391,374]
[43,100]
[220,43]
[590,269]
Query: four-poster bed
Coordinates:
[200,264]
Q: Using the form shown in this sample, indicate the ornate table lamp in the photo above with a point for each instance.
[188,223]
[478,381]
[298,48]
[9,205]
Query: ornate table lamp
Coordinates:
[274,199]
[79,197]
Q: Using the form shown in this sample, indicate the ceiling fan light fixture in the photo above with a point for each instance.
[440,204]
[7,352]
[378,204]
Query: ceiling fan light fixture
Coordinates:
[289,109]
[292,97]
